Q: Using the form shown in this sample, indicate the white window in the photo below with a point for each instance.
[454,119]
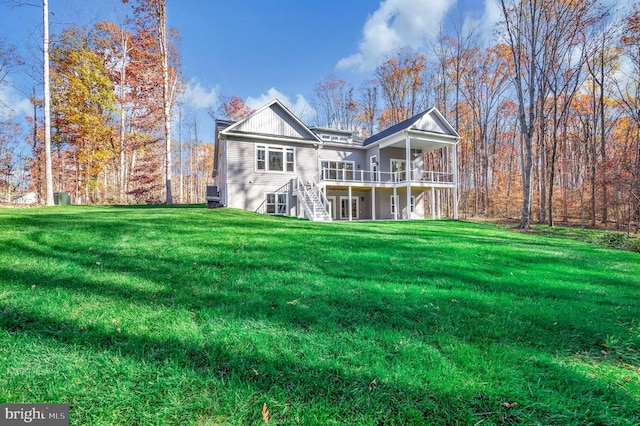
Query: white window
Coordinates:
[373,167]
[394,202]
[337,170]
[270,158]
[276,203]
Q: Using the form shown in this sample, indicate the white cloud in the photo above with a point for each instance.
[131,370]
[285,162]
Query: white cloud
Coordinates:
[13,103]
[492,15]
[396,24]
[199,97]
[300,107]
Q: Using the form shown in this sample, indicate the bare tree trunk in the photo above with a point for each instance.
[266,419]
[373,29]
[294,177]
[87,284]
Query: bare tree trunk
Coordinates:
[166,95]
[542,173]
[48,169]
[565,180]
[603,141]
[36,149]
[523,28]
[180,191]
[552,169]
[122,167]
[594,160]
[195,134]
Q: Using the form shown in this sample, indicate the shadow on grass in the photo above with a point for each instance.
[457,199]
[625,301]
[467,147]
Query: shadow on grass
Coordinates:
[345,279]
[314,385]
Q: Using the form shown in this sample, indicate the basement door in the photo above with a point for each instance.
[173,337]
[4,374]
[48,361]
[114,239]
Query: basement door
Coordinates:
[344,207]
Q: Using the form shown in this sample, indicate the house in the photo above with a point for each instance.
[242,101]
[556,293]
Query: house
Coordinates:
[272,163]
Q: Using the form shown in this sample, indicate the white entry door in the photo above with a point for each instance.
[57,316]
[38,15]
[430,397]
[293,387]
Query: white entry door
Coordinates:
[344,207]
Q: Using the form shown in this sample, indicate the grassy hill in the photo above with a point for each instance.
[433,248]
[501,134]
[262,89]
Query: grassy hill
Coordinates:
[155,315]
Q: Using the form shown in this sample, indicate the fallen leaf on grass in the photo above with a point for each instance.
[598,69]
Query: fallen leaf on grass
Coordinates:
[293,302]
[373,385]
[509,404]
[265,413]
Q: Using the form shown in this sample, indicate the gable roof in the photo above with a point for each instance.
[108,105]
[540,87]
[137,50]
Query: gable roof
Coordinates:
[272,121]
[430,121]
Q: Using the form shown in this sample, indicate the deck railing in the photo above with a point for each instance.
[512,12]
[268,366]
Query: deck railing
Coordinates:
[328,174]
[313,199]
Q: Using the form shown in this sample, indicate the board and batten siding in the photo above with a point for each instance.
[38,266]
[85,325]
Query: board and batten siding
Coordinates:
[273,121]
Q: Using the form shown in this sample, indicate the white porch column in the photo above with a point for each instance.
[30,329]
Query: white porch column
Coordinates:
[395,203]
[350,204]
[373,203]
[433,203]
[408,164]
[455,180]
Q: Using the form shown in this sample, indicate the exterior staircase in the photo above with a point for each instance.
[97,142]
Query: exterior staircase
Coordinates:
[313,201]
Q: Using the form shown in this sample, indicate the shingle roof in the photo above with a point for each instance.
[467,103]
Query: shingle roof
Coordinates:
[403,125]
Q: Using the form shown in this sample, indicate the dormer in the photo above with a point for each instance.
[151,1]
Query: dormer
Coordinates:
[335,136]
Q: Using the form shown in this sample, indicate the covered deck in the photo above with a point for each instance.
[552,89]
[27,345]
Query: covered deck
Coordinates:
[397,170]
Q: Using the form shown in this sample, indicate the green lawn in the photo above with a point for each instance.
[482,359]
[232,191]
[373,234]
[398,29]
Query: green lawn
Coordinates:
[155,315]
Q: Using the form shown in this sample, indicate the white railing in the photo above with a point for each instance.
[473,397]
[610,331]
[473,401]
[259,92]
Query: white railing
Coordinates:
[310,194]
[328,174]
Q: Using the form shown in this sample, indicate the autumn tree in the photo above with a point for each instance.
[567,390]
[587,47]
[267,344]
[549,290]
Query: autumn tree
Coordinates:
[401,80]
[10,135]
[368,106]
[233,108]
[83,103]
[484,84]
[335,104]
[9,60]
[561,75]
[628,90]
[115,44]
[524,35]
[9,130]
[151,16]
[451,60]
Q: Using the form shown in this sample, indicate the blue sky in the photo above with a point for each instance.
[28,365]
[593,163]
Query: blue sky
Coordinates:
[257,49]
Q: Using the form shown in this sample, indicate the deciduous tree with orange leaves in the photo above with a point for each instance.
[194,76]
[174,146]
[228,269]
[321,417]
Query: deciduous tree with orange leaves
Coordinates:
[233,108]
[401,79]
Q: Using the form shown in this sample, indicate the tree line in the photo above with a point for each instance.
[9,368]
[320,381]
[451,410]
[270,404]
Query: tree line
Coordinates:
[115,91]
[549,114]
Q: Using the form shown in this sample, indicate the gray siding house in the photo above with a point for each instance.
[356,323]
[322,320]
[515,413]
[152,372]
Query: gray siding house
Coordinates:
[272,163]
